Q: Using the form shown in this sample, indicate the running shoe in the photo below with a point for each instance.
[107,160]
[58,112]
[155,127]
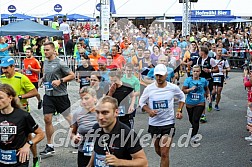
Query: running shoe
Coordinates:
[248,138]
[40,104]
[203,119]
[193,139]
[210,107]
[35,162]
[216,107]
[48,151]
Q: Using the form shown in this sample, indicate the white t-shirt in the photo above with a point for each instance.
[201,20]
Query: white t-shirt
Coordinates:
[221,64]
[65,28]
[161,99]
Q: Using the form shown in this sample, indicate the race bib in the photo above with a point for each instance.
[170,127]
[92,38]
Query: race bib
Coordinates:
[100,161]
[28,72]
[8,156]
[84,82]
[121,110]
[88,148]
[195,96]
[48,86]
[217,79]
[161,104]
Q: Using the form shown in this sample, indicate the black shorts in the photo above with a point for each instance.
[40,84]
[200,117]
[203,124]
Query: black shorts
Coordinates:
[219,81]
[82,159]
[35,84]
[59,104]
[210,84]
[160,131]
[177,69]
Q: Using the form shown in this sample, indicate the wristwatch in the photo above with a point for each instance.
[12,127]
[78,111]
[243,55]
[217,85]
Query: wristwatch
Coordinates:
[30,142]
[61,80]
[20,97]
[179,110]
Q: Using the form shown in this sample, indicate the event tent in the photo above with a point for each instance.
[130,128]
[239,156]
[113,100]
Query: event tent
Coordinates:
[16,16]
[51,17]
[28,27]
[78,17]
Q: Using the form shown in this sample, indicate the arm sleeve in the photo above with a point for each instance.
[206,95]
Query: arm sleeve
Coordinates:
[186,83]
[227,64]
[31,125]
[65,69]
[135,146]
[144,97]
[151,73]
[27,84]
[179,94]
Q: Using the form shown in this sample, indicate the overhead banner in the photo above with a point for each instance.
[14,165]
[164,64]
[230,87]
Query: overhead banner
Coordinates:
[105,16]
[199,13]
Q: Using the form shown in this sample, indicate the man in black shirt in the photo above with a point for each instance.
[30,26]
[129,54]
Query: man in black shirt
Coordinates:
[124,94]
[112,151]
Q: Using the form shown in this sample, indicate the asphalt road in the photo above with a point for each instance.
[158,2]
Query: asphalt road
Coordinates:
[222,143]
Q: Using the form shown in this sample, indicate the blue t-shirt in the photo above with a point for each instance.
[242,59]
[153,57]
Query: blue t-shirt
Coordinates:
[4,53]
[196,96]
[168,78]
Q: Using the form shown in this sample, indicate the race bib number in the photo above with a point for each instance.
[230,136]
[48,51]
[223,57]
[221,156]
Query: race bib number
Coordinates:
[249,120]
[100,161]
[121,110]
[8,156]
[195,96]
[88,148]
[161,104]
[84,82]
[48,86]
[217,79]
[28,72]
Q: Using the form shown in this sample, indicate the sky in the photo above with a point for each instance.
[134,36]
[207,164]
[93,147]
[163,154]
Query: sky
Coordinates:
[124,7]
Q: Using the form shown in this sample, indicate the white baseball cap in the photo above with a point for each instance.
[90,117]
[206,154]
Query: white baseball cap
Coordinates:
[160,69]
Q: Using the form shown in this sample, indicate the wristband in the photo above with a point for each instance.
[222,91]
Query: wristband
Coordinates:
[210,70]
[61,80]
[179,110]
[20,97]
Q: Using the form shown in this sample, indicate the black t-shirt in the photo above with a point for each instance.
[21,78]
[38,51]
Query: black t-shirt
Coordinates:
[14,129]
[84,73]
[194,57]
[119,146]
[122,94]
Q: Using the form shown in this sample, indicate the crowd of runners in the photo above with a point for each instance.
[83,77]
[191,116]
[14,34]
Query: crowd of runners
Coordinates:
[138,70]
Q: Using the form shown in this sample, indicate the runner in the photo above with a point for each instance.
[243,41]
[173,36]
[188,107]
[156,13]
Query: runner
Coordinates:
[96,82]
[111,152]
[177,53]
[196,88]
[15,143]
[218,78]
[84,118]
[83,72]
[160,107]
[56,76]
[125,96]
[32,69]
[208,66]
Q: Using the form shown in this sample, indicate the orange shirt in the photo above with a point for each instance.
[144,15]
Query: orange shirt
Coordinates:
[34,63]
[119,60]
[94,61]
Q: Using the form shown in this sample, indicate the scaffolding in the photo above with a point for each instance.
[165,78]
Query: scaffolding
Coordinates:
[186,18]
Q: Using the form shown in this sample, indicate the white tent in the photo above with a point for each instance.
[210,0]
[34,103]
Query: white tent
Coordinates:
[127,8]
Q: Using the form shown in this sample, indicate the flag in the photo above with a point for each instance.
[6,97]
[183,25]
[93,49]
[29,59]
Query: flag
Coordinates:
[112,7]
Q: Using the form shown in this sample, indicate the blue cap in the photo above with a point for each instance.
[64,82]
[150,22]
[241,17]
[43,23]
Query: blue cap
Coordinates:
[7,61]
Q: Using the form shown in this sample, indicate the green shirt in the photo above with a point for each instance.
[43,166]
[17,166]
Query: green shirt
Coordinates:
[133,82]
[55,25]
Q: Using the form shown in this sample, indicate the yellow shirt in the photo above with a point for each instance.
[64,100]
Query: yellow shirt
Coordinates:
[20,83]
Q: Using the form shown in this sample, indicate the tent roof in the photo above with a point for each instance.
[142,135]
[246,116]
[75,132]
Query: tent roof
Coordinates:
[28,27]
[78,17]
[51,17]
